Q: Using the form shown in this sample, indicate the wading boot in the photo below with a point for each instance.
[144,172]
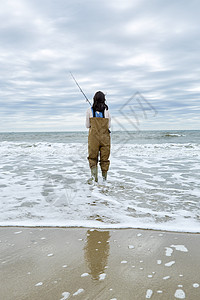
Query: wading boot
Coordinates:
[104,175]
[94,173]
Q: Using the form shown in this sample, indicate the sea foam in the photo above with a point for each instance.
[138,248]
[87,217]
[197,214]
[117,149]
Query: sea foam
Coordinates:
[150,186]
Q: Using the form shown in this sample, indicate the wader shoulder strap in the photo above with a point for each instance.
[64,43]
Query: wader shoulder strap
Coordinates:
[93,112]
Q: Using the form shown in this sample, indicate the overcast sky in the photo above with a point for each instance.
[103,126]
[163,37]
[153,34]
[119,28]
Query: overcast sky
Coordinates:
[120,47]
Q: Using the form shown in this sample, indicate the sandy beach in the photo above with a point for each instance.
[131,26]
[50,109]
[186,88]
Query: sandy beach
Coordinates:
[77,263]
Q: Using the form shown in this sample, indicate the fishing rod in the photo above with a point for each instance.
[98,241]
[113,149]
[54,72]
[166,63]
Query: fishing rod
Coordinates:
[80,89]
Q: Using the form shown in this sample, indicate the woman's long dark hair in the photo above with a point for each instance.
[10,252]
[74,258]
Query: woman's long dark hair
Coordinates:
[99,102]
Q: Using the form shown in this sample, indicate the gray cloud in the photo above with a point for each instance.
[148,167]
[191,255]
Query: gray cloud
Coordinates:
[114,46]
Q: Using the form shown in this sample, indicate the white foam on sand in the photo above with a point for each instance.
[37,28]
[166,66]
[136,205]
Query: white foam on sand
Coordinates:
[149,293]
[159,262]
[179,294]
[168,251]
[65,295]
[150,186]
[79,291]
[180,248]
[170,263]
[84,275]
[166,277]
[39,284]
[124,262]
[102,276]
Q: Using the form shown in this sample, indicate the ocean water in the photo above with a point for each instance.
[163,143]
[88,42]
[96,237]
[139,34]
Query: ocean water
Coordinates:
[153,181]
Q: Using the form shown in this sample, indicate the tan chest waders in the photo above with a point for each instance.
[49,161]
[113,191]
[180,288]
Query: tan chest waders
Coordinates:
[99,143]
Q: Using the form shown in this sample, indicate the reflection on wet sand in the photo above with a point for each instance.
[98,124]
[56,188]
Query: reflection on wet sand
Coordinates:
[97,251]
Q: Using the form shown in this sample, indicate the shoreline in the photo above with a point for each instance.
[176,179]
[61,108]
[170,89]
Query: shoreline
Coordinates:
[97,228]
[89,263]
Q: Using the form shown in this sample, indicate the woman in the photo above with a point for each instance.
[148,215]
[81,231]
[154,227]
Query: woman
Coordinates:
[98,121]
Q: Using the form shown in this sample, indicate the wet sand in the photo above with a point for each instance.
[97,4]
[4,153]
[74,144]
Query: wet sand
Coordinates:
[76,263]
